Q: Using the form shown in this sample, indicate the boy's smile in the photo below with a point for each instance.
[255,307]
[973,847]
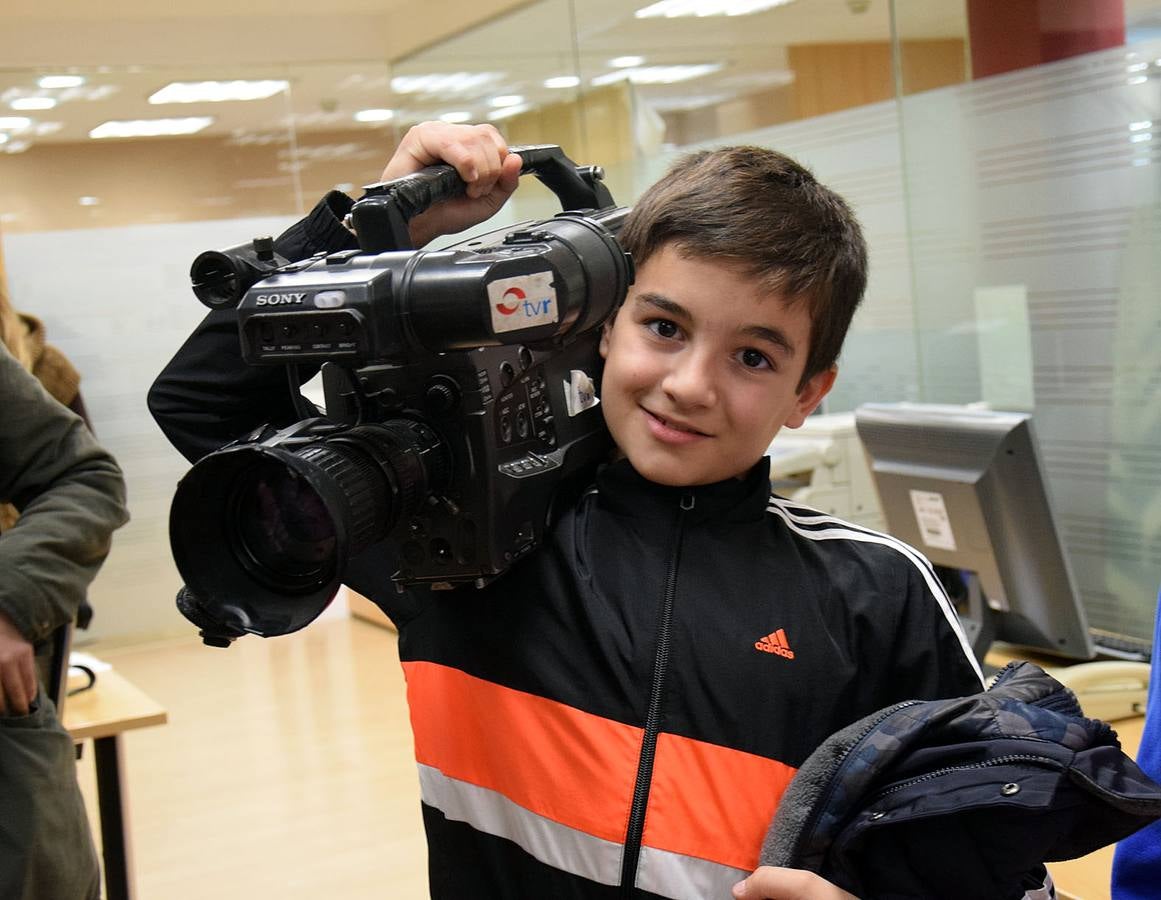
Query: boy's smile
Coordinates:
[701,370]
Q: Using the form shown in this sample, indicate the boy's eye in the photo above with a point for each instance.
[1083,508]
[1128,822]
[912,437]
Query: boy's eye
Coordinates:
[663,328]
[754,359]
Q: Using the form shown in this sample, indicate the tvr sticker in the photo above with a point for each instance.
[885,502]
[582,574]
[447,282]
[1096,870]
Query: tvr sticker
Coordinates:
[523,301]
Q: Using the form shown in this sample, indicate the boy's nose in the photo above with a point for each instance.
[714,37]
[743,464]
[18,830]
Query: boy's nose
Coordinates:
[690,381]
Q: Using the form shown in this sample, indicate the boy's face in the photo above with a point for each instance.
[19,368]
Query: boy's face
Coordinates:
[701,370]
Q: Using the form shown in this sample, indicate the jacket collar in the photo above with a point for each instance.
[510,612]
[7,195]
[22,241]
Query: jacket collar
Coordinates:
[623,490]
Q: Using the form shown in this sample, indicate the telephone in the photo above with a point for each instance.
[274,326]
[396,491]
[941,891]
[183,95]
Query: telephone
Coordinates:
[1107,690]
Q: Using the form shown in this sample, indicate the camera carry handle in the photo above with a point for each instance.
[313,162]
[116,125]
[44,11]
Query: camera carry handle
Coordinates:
[380,218]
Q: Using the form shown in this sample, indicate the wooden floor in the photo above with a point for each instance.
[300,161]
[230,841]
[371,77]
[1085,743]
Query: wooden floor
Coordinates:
[285,771]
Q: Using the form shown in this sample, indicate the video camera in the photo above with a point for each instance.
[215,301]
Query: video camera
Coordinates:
[460,391]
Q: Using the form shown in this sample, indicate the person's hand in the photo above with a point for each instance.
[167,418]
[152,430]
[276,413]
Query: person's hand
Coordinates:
[17,670]
[771,883]
[478,153]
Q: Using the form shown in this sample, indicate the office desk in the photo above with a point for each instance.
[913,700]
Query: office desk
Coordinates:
[112,706]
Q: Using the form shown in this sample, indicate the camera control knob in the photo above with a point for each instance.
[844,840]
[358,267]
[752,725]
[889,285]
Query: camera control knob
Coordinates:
[442,395]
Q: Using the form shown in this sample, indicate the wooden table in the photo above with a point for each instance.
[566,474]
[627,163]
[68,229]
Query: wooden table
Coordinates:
[103,713]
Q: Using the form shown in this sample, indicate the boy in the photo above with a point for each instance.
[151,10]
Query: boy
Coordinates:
[618,715]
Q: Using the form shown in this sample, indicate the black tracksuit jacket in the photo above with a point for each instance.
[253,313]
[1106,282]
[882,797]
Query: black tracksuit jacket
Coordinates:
[618,715]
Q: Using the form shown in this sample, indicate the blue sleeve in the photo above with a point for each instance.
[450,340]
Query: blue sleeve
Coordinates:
[1137,861]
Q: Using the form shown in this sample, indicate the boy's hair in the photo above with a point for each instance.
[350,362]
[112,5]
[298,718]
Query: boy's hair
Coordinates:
[759,210]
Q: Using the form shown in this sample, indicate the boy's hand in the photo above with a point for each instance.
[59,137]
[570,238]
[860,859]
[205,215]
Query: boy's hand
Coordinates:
[770,883]
[478,153]
[17,670]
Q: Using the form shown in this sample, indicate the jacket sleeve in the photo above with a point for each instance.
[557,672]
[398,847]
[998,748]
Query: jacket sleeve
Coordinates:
[931,656]
[71,497]
[1137,860]
[207,396]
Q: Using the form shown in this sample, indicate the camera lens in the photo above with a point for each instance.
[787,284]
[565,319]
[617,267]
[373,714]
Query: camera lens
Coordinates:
[284,532]
[262,533]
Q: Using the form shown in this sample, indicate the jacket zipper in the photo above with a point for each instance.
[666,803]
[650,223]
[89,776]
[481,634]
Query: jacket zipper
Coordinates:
[1038,761]
[636,829]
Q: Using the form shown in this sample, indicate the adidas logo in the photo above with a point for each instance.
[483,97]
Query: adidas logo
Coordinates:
[775,643]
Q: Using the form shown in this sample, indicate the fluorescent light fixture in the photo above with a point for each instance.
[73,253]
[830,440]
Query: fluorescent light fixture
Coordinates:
[1141,136]
[217,91]
[14,123]
[672,9]
[506,112]
[15,146]
[506,100]
[27,103]
[1138,79]
[457,116]
[134,128]
[374,115]
[657,74]
[449,83]
[89,201]
[1138,67]
[60,81]
[1140,126]
[3,138]
[561,81]
[626,62]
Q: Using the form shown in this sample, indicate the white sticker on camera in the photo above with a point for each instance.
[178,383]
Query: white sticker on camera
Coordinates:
[523,301]
[579,393]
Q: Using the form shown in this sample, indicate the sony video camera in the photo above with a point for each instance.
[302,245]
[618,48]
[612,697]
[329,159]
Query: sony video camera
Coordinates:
[460,392]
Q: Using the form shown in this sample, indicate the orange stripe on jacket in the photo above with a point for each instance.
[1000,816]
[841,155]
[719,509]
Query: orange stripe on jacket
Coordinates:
[559,762]
[712,802]
[578,769]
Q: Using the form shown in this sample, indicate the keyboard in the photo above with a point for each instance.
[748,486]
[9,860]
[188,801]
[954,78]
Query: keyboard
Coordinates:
[1120,646]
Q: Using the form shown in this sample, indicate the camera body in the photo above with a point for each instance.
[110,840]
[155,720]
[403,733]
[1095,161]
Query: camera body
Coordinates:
[461,394]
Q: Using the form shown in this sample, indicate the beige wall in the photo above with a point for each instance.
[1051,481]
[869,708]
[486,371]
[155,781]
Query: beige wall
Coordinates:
[178,180]
[827,78]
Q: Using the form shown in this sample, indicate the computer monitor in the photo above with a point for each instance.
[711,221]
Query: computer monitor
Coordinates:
[966,487]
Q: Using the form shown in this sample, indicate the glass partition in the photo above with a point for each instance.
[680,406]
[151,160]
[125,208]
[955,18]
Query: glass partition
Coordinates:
[1032,212]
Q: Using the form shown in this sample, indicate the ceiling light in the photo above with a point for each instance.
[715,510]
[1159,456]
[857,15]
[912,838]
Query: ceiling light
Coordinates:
[217,91]
[626,62]
[508,111]
[150,127]
[60,81]
[15,146]
[1140,126]
[453,83]
[562,81]
[33,103]
[3,138]
[657,74]
[89,201]
[458,116]
[507,100]
[671,9]
[14,123]
[374,115]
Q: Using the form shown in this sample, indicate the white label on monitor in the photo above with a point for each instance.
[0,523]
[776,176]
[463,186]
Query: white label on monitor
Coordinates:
[934,523]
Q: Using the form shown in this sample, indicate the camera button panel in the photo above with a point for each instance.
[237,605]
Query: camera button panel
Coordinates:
[525,466]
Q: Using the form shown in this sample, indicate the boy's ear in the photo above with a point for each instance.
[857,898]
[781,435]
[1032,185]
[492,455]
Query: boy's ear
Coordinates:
[606,330]
[817,387]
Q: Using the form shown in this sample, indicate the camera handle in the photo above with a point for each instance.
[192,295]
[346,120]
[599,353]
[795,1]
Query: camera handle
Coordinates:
[380,218]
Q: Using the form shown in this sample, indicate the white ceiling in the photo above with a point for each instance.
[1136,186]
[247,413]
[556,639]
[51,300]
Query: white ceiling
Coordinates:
[343,60]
